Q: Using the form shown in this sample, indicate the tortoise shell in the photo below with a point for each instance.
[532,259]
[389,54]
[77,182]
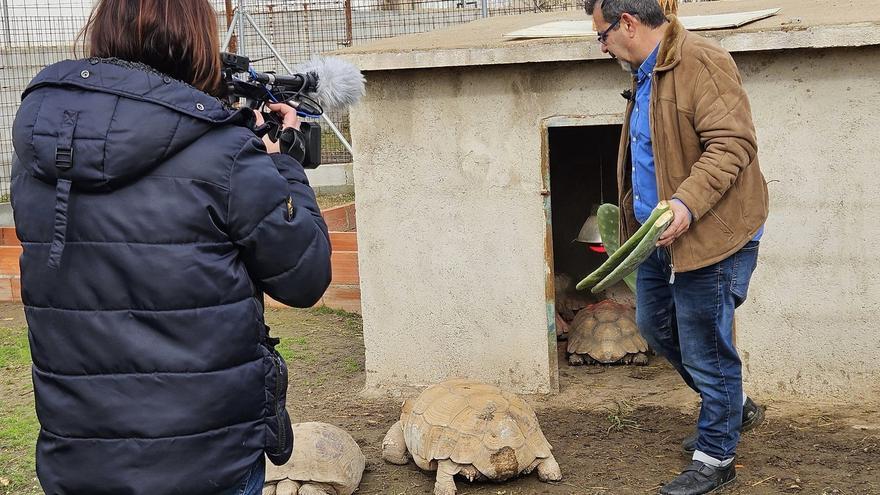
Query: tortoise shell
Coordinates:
[605,331]
[474,423]
[322,453]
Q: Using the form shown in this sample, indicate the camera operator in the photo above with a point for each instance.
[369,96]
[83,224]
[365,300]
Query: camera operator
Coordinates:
[152,221]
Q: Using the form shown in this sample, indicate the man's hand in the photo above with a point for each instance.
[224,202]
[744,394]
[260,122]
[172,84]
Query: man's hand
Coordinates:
[681,222]
[289,119]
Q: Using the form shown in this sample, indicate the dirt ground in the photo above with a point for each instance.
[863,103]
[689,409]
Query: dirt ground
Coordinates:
[614,430]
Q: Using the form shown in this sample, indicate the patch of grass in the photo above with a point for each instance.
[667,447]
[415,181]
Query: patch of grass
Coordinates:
[330,200]
[14,348]
[19,427]
[18,436]
[619,416]
[18,419]
[294,349]
[350,323]
[349,365]
[326,310]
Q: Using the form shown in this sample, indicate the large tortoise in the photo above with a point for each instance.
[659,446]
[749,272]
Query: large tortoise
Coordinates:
[606,333]
[325,461]
[472,429]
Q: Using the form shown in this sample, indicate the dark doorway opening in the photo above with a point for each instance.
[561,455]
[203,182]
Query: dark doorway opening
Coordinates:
[583,175]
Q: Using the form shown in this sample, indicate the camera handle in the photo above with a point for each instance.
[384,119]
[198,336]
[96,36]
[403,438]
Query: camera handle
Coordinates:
[293,141]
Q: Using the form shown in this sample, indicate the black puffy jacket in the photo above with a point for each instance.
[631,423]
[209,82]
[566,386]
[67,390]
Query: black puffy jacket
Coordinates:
[152,222]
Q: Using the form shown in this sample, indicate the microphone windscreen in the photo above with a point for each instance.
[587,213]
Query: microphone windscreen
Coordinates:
[340,84]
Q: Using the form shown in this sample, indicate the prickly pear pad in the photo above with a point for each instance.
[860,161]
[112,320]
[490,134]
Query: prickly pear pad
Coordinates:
[641,252]
[615,259]
[608,217]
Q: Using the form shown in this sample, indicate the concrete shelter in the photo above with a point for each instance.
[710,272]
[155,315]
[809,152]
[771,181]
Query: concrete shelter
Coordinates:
[478,158]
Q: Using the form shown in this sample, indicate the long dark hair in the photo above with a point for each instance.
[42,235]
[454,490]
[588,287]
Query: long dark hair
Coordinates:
[175,37]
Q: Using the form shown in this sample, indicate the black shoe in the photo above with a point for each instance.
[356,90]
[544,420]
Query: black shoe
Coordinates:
[700,478]
[752,415]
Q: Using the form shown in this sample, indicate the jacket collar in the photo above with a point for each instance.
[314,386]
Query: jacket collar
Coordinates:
[670,46]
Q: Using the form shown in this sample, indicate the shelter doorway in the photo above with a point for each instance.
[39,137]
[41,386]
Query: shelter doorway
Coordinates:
[581,172]
[583,175]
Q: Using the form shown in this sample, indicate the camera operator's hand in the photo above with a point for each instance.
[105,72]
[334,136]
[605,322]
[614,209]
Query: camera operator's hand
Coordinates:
[288,114]
[289,119]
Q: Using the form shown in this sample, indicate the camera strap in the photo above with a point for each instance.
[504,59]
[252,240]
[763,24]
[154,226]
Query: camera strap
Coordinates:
[293,143]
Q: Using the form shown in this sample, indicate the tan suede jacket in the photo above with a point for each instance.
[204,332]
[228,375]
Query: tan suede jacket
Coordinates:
[705,150]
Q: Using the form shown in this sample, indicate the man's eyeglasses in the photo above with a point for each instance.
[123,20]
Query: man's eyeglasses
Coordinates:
[603,36]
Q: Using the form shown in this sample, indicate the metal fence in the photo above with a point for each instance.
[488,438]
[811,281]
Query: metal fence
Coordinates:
[35,34]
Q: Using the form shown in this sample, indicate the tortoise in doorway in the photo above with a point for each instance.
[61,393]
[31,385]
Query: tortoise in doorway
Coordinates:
[606,333]
[471,429]
[568,303]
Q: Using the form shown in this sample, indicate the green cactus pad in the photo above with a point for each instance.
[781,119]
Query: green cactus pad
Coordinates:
[621,253]
[608,216]
[609,231]
[641,252]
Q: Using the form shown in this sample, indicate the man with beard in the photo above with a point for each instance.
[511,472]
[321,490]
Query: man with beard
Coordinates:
[688,138]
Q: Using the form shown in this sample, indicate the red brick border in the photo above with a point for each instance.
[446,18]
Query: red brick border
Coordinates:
[344,291]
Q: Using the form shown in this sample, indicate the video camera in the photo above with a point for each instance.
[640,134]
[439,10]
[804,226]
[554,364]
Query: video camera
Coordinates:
[326,81]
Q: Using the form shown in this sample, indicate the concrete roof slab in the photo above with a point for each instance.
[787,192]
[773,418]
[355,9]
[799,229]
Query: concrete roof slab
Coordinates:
[800,24]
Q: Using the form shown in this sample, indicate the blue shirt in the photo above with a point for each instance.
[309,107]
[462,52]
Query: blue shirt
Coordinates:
[644,177]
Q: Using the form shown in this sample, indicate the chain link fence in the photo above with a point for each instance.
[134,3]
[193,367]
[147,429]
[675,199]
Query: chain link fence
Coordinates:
[36,34]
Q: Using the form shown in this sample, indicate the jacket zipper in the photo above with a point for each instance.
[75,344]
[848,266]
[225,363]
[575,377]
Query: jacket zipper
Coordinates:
[269,344]
[281,430]
[660,190]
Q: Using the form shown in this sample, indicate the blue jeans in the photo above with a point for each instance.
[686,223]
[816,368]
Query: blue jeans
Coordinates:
[690,323]
[252,484]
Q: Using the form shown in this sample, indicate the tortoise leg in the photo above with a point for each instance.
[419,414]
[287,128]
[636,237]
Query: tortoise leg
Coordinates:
[313,488]
[285,487]
[446,470]
[561,328]
[640,359]
[469,472]
[576,359]
[548,470]
[269,489]
[394,445]
[531,467]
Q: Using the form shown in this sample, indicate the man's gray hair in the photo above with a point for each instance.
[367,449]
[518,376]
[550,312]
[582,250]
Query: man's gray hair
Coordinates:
[648,11]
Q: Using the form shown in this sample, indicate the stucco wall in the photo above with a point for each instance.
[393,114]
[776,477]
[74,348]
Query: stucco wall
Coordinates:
[452,223]
[811,325]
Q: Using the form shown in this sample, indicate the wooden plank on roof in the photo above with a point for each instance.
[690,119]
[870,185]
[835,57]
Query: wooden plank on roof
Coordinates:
[565,29]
